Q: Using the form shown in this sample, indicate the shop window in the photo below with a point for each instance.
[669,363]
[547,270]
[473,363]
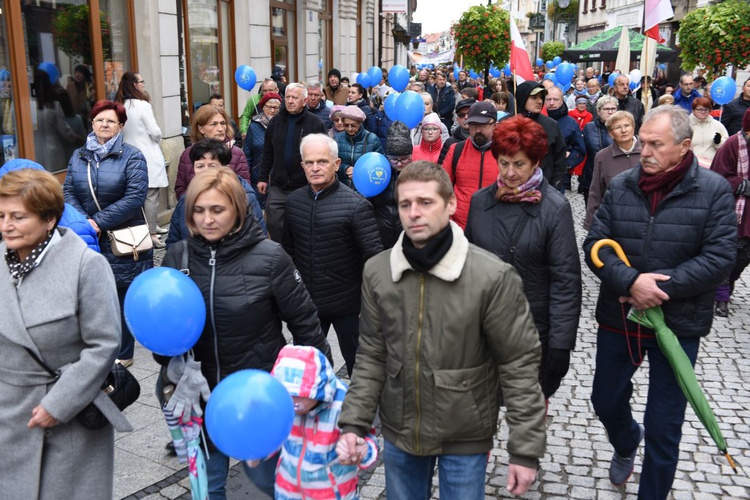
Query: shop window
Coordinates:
[283,43]
[8,142]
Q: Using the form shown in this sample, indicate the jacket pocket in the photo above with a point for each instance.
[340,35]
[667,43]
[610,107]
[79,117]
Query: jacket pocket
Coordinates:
[392,398]
[462,404]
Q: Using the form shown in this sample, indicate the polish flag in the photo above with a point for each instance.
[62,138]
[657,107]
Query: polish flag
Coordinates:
[520,64]
[656,12]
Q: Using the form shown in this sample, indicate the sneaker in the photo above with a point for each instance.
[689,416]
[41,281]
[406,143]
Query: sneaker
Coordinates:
[722,309]
[621,468]
[124,362]
[162,230]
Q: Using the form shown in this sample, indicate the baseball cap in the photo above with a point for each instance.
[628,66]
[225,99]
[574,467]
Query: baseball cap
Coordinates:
[537,90]
[482,112]
[464,103]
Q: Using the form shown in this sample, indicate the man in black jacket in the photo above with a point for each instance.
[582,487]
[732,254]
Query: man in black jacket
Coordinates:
[281,155]
[626,102]
[733,112]
[330,231]
[676,223]
[444,99]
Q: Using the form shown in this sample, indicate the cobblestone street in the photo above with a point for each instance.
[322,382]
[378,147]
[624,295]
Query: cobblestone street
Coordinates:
[578,454]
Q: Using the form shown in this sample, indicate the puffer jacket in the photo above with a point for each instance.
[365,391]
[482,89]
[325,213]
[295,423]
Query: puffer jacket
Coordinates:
[323,111]
[185,172]
[120,181]
[249,290]
[253,149]
[386,212]
[330,236]
[475,169]
[733,112]
[691,237]
[428,152]
[379,124]
[309,466]
[596,137]
[538,239]
[572,135]
[178,228]
[71,218]
[433,363]
[352,148]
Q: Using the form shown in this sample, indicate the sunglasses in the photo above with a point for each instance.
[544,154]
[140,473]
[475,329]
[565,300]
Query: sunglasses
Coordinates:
[462,115]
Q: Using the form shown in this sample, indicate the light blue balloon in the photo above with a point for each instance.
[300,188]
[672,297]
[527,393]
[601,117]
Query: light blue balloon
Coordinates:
[539,61]
[549,64]
[612,78]
[389,106]
[51,70]
[165,310]
[410,108]
[565,72]
[372,173]
[723,90]
[551,77]
[250,414]
[398,78]
[245,77]
[556,60]
[375,74]
[364,80]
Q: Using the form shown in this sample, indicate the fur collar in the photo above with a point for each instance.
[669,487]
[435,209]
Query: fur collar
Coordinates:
[448,269]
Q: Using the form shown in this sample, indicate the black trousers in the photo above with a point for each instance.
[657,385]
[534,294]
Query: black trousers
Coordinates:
[347,331]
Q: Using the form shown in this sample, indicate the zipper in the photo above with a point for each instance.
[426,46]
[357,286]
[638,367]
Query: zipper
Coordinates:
[417,446]
[212,264]
[311,287]
[481,169]
[303,427]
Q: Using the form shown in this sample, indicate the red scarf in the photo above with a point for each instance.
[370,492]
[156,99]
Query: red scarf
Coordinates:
[657,186]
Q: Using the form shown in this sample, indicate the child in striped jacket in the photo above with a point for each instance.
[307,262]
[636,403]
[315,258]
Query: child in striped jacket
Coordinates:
[309,466]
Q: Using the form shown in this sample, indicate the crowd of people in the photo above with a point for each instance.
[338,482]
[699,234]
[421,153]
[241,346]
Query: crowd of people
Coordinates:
[454,291]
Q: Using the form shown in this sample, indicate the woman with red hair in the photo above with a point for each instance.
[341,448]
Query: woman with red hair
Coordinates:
[529,224]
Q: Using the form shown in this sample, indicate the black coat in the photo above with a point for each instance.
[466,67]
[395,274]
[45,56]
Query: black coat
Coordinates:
[290,176]
[386,213]
[732,115]
[255,288]
[330,237]
[538,239]
[691,237]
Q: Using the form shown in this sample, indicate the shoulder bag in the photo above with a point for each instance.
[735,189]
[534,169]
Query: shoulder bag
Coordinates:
[130,240]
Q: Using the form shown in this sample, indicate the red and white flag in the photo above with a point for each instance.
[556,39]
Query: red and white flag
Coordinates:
[656,12]
[520,65]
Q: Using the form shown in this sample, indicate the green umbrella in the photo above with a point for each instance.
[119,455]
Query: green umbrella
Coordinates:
[653,317]
[604,47]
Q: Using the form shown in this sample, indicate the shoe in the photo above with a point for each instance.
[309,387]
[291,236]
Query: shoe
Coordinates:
[621,468]
[170,449]
[162,230]
[722,309]
[157,242]
[124,362]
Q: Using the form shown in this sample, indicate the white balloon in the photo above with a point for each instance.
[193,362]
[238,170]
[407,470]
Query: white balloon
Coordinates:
[635,76]
[353,79]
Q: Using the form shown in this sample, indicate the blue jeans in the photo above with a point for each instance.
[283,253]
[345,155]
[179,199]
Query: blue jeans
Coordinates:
[217,468]
[409,477]
[665,406]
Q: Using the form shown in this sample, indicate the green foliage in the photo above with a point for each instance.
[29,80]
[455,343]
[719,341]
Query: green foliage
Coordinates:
[716,36]
[556,14]
[72,34]
[550,50]
[481,35]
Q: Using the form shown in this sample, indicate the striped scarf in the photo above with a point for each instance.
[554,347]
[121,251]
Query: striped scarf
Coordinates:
[742,173]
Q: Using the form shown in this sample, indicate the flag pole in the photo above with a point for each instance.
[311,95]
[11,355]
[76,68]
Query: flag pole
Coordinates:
[646,91]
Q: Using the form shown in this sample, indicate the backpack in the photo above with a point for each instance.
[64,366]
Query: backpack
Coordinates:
[457,151]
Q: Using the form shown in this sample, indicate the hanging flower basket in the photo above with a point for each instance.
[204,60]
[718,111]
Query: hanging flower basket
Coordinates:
[481,35]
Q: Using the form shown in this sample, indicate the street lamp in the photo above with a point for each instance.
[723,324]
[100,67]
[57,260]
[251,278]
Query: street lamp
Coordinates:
[559,4]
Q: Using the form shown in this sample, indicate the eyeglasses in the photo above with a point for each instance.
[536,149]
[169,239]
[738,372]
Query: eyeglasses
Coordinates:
[404,160]
[352,125]
[609,110]
[702,110]
[102,121]
[430,130]
[624,126]
[462,115]
[271,108]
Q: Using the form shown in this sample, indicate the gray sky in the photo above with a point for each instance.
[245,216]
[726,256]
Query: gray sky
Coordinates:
[438,15]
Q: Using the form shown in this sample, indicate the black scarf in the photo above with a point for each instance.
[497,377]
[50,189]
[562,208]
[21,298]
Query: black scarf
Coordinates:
[425,258]
[20,269]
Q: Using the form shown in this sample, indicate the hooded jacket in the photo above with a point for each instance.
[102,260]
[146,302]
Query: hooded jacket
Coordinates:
[571,133]
[429,152]
[553,164]
[309,466]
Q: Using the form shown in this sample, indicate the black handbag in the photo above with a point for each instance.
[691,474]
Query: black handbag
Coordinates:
[120,386]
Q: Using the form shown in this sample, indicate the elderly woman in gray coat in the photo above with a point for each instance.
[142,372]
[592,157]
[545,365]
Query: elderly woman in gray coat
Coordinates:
[59,303]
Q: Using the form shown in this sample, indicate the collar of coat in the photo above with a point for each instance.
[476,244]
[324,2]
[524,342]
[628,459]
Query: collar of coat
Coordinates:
[448,269]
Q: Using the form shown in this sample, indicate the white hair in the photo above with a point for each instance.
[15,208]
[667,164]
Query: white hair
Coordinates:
[300,86]
[333,147]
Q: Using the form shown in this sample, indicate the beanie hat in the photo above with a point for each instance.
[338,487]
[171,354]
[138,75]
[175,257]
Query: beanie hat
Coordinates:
[334,72]
[746,120]
[353,113]
[398,141]
[267,97]
[277,72]
[431,119]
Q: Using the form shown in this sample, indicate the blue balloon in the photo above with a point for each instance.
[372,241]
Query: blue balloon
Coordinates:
[250,414]
[51,70]
[398,78]
[556,60]
[165,311]
[372,173]
[245,77]
[723,90]
[565,72]
[549,64]
[551,77]
[612,78]
[539,61]
[430,66]
[389,106]
[507,71]
[473,74]
[410,108]
[375,74]
[455,73]
[495,72]
[662,66]
[633,85]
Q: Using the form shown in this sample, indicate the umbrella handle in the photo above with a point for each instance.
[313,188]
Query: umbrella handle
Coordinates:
[609,243]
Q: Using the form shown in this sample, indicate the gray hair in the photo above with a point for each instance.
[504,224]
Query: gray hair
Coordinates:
[333,146]
[604,100]
[300,86]
[681,128]
[426,95]
[270,80]
[314,85]
[618,116]
[419,85]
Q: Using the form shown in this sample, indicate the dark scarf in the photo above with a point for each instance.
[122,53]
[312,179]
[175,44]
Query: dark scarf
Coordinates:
[656,187]
[425,258]
[20,269]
